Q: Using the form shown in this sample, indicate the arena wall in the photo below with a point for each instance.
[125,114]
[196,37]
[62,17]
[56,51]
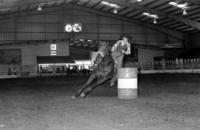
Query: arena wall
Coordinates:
[49,25]
[29,55]
[147,55]
[30,52]
[195,40]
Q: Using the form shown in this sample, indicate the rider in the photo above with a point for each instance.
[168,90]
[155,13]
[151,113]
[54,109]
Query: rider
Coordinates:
[119,49]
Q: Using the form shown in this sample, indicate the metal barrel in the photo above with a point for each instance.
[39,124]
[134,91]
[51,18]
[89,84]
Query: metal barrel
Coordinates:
[127,83]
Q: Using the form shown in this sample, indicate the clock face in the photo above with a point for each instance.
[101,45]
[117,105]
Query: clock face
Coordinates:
[77,27]
[68,28]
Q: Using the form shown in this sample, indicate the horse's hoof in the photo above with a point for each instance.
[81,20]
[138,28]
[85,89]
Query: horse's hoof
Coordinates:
[74,97]
[83,95]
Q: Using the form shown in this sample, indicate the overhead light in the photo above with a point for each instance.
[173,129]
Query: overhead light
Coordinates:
[184,12]
[110,4]
[154,21]
[81,40]
[181,6]
[139,0]
[39,8]
[154,16]
[115,11]
[173,3]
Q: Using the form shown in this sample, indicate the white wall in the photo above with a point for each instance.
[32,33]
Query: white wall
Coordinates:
[147,55]
[30,52]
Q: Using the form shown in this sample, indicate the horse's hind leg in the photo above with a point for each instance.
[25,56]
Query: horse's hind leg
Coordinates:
[114,78]
[85,86]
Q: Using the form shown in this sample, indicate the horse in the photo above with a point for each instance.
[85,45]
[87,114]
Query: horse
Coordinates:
[103,71]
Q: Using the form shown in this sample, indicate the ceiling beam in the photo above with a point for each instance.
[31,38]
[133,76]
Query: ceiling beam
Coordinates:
[176,34]
[85,4]
[10,4]
[196,2]
[161,14]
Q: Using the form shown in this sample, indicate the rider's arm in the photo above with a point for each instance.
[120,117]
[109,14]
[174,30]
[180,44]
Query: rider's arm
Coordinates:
[128,51]
[115,46]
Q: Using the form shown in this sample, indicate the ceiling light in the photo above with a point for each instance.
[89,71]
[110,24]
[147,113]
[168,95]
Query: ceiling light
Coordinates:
[154,16]
[115,11]
[110,4]
[81,40]
[39,8]
[184,12]
[154,21]
[181,6]
[173,3]
[139,0]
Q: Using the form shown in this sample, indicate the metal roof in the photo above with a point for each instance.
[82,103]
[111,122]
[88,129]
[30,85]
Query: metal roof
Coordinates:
[169,16]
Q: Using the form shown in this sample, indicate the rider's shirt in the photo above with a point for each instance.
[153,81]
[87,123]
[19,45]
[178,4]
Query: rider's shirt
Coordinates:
[119,48]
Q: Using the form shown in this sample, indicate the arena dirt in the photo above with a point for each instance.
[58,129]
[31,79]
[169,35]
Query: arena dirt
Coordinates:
[165,102]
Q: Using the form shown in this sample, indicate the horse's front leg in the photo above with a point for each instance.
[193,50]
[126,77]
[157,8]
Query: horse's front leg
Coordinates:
[93,86]
[84,87]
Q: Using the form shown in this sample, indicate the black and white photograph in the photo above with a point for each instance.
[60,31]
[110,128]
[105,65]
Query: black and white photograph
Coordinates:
[99,64]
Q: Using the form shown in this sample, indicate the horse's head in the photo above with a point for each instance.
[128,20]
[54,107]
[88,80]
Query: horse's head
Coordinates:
[104,50]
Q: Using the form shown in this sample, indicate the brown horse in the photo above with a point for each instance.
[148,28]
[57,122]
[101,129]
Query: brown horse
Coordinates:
[103,71]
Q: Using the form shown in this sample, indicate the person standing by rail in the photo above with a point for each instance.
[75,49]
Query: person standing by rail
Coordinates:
[119,49]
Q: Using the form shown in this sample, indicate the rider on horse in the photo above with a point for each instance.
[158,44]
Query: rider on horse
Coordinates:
[103,70]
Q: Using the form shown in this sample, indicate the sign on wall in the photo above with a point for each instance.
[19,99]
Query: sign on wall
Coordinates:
[53,49]
[10,57]
[75,27]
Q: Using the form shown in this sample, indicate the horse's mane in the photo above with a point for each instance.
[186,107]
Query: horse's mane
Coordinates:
[105,65]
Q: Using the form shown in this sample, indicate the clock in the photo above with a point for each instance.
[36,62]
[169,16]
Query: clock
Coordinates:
[68,27]
[77,27]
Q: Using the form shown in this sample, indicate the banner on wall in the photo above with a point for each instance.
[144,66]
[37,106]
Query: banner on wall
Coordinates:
[10,57]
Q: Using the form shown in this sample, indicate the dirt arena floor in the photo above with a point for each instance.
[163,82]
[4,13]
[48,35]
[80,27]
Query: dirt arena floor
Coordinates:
[165,102]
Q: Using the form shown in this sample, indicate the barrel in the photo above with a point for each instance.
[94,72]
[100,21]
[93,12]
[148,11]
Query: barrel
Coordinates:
[127,83]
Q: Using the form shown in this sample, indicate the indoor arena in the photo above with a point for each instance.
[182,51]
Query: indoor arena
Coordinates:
[99,64]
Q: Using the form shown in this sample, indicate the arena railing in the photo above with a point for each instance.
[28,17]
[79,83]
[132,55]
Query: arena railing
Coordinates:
[177,64]
[19,70]
[193,63]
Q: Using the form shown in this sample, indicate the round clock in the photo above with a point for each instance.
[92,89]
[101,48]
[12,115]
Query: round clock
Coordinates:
[77,27]
[68,28]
